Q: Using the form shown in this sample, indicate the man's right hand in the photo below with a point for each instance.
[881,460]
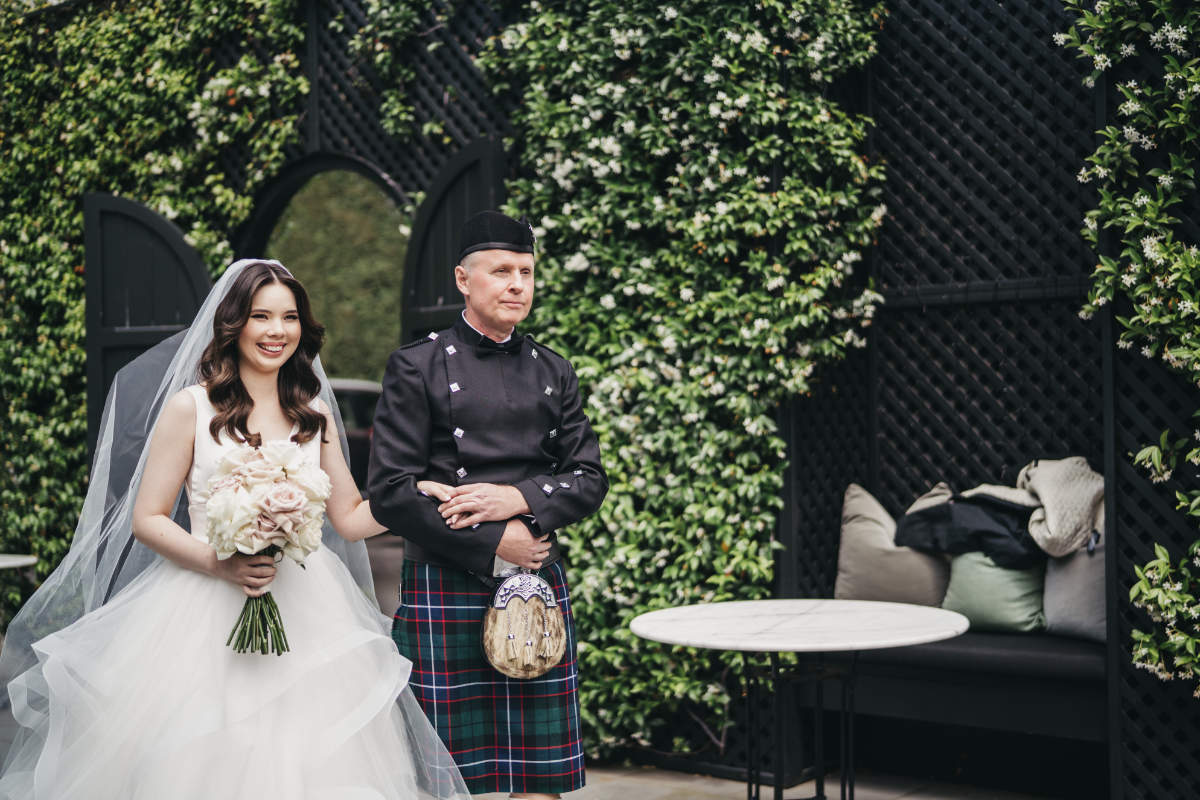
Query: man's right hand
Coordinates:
[521,547]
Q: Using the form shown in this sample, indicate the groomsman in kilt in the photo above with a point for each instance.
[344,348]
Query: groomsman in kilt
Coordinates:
[496,421]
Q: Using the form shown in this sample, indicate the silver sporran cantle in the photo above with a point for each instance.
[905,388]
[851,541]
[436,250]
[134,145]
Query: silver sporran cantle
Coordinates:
[524,634]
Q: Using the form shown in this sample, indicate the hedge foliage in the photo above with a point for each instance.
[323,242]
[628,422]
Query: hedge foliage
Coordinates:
[129,98]
[1146,55]
[701,205]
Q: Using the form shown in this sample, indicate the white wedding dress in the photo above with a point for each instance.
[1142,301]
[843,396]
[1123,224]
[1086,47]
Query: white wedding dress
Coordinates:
[143,699]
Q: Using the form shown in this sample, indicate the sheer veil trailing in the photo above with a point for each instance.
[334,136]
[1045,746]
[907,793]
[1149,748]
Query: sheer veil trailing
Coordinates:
[106,560]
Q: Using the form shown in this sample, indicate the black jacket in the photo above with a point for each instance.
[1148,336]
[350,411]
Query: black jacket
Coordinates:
[456,412]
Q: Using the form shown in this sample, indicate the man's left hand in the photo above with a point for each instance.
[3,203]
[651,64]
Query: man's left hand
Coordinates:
[482,502]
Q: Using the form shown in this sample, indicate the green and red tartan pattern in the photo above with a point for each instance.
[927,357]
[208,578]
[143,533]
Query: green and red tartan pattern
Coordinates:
[505,734]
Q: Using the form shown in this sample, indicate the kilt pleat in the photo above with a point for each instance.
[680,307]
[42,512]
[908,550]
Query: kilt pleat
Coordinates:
[505,734]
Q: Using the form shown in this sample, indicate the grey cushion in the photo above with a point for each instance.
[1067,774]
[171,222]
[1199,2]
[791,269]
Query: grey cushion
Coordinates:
[939,493]
[1074,598]
[996,598]
[872,567]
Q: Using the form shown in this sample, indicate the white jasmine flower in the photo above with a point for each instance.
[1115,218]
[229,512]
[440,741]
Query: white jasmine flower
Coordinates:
[711,78]
[1059,39]
[670,13]
[576,263]
[607,302]
[1165,181]
[1082,176]
[686,294]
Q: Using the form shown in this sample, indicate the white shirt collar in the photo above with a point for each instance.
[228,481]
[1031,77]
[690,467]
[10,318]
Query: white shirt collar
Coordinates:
[481,333]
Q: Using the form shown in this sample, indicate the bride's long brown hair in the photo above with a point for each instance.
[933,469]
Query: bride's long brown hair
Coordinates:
[298,383]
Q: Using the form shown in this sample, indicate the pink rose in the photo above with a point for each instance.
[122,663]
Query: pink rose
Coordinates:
[265,524]
[284,503]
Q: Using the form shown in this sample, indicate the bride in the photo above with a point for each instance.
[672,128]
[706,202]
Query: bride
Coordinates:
[118,669]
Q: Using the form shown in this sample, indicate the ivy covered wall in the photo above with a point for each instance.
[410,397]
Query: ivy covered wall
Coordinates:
[702,207]
[182,105]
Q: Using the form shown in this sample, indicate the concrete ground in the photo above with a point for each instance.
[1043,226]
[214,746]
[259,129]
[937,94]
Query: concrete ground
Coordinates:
[648,783]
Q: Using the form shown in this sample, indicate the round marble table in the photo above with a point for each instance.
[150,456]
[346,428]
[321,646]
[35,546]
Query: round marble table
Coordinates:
[801,626]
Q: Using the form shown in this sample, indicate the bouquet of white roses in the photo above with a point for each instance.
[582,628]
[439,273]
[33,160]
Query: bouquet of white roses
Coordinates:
[268,499]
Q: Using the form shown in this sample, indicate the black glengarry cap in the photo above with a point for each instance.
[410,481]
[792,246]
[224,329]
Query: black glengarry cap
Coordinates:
[491,230]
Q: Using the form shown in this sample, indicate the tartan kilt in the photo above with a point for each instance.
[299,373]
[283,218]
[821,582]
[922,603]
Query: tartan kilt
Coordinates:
[505,734]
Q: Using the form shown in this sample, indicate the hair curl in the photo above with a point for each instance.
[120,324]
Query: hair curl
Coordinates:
[298,383]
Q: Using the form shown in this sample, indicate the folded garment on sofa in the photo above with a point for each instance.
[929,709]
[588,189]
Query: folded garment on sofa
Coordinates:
[979,522]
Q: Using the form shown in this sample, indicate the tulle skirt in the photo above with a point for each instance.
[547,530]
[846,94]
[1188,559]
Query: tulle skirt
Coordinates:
[142,699]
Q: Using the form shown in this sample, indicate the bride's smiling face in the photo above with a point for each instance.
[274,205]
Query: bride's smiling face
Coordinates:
[272,331]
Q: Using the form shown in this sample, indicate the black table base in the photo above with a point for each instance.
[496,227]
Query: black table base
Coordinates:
[817,674]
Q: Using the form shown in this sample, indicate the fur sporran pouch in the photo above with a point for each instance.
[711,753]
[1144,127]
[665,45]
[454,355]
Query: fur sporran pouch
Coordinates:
[524,634]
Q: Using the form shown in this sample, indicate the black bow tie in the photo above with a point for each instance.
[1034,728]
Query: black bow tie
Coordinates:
[488,347]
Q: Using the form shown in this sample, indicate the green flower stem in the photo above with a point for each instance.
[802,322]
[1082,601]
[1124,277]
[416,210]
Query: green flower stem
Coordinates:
[259,628]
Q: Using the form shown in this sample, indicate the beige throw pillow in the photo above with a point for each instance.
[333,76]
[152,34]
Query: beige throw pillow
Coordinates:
[872,567]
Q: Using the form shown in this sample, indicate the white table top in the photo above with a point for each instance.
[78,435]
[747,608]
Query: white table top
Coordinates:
[799,626]
[14,561]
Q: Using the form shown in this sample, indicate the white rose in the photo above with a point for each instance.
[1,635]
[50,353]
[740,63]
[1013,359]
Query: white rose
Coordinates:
[285,454]
[313,481]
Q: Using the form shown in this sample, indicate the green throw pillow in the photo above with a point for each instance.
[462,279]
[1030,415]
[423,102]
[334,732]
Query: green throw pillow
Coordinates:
[995,598]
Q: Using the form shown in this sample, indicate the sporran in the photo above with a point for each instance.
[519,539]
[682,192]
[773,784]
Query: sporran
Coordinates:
[524,634]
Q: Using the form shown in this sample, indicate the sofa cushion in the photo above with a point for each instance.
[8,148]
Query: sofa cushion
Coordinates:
[872,567]
[1074,598]
[996,598]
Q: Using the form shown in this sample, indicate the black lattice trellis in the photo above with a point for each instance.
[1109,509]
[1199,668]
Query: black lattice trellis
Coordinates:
[979,362]
[979,118]
[1159,724]
[343,107]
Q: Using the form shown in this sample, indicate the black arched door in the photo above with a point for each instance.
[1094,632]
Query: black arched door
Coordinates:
[144,283]
[470,182]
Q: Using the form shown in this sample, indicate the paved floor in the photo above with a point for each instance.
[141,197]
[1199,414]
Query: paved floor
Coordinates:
[647,783]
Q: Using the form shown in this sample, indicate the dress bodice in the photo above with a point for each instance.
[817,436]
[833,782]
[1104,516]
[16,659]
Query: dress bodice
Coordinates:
[207,453]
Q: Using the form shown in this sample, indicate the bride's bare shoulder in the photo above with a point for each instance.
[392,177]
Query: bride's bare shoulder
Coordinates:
[180,408]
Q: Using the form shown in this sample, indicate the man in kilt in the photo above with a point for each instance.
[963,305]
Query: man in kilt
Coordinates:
[495,420]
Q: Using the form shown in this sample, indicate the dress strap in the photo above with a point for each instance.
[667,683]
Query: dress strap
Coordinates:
[204,413]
